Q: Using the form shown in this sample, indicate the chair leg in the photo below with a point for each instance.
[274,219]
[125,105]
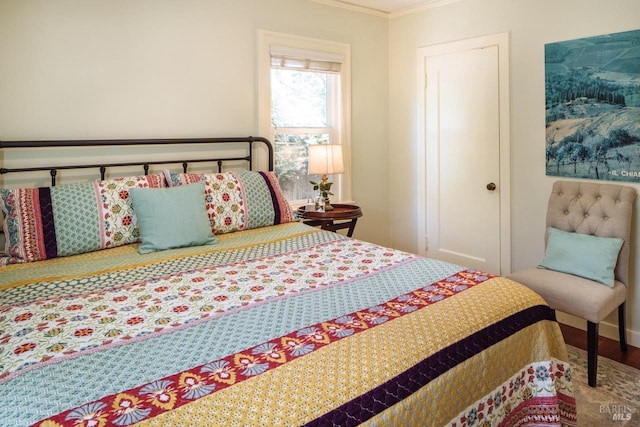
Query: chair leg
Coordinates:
[592,352]
[622,321]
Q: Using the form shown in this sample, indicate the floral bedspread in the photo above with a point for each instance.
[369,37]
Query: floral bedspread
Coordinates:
[285,325]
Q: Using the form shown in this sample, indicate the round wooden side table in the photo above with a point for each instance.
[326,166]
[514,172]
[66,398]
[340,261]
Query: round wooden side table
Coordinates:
[342,216]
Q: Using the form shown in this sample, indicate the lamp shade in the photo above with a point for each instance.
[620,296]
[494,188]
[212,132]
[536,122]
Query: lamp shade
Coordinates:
[325,159]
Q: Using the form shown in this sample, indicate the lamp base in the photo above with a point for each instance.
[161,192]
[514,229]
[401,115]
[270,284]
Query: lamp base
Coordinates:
[327,205]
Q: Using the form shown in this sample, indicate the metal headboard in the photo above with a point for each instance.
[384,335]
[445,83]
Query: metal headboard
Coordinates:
[102,167]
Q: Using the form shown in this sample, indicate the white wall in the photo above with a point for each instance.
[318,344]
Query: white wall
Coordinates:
[531,24]
[99,69]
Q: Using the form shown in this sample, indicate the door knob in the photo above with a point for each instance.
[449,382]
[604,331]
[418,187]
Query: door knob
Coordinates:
[491,186]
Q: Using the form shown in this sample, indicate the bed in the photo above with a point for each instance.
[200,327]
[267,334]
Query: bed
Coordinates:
[263,321]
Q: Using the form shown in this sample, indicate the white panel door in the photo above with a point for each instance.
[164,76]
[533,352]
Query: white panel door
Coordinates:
[463,164]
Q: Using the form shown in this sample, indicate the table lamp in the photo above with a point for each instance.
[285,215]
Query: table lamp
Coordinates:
[325,159]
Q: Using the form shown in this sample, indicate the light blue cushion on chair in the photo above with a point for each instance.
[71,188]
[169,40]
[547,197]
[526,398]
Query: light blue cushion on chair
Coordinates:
[582,255]
[172,217]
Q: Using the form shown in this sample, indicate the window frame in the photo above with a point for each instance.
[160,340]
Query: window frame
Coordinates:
[342,182]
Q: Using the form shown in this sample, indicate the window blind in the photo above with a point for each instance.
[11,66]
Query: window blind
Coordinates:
[284,57]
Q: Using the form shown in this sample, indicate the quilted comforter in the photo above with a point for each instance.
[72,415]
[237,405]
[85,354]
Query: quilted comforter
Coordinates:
[283,325]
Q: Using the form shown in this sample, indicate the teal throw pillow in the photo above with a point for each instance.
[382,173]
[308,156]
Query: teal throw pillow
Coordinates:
[171,217]
[582,255]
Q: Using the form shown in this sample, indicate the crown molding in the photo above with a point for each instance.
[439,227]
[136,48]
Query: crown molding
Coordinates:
[353,7]
[382,14]
[421,8]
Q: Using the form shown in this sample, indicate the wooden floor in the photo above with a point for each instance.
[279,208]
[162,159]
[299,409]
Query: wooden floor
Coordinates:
[606,347]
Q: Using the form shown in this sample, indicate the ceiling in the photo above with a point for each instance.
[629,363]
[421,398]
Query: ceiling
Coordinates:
[390,6]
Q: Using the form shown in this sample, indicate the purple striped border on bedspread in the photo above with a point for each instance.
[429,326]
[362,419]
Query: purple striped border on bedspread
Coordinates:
[395,390]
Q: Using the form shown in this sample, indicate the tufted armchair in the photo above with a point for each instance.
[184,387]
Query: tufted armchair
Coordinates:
[602,210]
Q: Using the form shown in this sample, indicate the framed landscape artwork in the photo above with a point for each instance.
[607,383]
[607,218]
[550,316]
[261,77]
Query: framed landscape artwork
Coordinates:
[592,88]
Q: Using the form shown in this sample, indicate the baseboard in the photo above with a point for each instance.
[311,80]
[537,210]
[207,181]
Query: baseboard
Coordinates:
[607,329]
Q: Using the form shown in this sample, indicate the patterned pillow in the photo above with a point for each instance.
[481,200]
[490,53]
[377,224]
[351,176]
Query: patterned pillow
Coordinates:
[239,200]
[48,222]
[175,179]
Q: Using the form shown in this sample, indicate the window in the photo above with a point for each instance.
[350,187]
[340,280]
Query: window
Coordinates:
[303,87]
